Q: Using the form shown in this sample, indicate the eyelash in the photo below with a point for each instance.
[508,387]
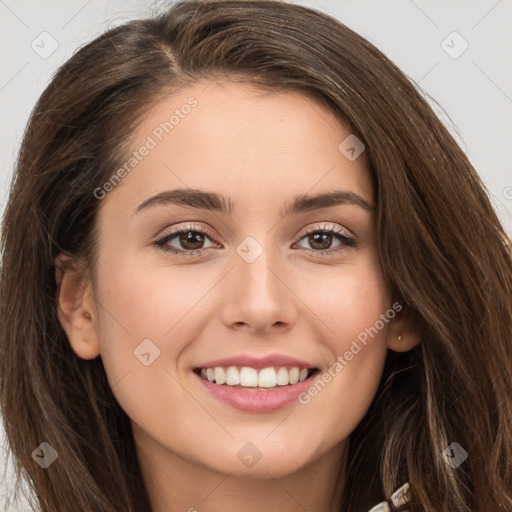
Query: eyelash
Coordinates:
[346,240]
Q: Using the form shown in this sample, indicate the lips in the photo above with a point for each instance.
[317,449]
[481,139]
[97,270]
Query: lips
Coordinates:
[257,362]
[256,399]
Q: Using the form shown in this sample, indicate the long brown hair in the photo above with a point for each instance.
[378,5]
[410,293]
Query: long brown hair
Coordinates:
[443,252]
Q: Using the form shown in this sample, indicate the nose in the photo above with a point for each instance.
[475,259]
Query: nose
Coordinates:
[258,297]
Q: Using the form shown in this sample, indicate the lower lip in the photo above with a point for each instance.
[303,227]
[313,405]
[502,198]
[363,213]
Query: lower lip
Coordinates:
[255,400]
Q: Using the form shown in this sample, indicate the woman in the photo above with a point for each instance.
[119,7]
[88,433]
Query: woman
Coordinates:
[246,266]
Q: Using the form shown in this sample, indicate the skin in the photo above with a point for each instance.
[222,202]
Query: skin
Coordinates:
[261,151]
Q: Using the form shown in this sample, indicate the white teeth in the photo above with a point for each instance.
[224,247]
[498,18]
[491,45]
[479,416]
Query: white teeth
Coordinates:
[294,375]
[220,376]
[282,377]
[269,377]
[248,377]
[232,376]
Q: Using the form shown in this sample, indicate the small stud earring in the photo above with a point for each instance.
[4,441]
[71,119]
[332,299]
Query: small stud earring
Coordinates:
[399,337]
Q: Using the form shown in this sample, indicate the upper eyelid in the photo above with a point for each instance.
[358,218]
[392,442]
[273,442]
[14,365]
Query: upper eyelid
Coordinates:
[188,227]
[327,227]
[191,227]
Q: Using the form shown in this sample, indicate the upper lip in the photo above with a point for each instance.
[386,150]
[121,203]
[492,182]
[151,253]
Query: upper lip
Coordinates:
[257,362]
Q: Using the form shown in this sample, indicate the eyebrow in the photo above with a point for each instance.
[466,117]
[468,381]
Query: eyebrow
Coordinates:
[217,203]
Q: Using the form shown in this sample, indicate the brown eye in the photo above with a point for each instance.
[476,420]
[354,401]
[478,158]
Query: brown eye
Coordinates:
[321,240]
[187,241]
[190,239]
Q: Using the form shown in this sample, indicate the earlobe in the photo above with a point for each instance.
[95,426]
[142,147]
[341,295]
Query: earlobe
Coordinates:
[76,306]
[403,333]
[403,343]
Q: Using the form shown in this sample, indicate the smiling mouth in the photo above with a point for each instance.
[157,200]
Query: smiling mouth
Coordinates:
[252,379]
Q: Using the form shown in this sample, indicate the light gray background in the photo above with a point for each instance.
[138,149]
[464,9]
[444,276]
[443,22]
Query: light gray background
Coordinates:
[473,90]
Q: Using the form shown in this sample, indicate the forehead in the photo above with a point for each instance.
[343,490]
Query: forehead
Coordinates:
[236,140]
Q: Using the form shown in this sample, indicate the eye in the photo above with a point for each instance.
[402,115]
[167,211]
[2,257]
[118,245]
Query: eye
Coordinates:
[191,238]
[321,239]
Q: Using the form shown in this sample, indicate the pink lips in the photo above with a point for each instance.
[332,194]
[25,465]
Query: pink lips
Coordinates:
[257,362]
[256,400]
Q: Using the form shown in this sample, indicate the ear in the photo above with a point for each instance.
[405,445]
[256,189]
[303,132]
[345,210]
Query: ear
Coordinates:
[76,307]
[403,331]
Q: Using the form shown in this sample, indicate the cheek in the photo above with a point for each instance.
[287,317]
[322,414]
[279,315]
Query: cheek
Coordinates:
[358,316]
[142,331]
[150,300]
[340,397]
[148,315]
[355,309]
[349,300]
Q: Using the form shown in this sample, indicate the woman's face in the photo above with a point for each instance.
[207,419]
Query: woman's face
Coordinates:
[261,286]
